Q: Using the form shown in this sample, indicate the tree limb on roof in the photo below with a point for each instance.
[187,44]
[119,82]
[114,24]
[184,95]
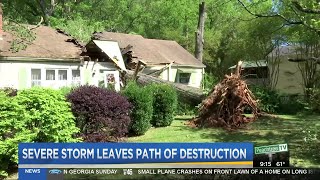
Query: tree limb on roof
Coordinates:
[126,49]
[160,70]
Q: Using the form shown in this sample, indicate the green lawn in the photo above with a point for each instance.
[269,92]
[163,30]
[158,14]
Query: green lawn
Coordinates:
[286,129]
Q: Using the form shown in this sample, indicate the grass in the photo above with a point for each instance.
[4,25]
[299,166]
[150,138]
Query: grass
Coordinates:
[294,130]
[286,129]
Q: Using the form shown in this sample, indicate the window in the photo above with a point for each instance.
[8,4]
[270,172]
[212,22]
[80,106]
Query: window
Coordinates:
[55,78]
[35,77]
[62,75]
[111,80]
[50,75]
[76,80]
[255,73]
[184,78]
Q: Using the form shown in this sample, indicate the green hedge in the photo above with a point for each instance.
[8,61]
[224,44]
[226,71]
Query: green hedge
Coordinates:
[49,113]
[13,130]
[164,104]
[141,114]
[273,102]
[34,115]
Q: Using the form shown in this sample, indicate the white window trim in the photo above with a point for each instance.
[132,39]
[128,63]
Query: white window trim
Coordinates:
[189,82]
[43,75]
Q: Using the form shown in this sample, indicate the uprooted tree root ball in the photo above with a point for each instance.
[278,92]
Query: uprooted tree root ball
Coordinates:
[225,105]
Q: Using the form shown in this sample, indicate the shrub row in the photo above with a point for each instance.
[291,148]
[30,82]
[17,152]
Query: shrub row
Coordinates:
[33,115]
[270,101]
[86,113]
[153,105]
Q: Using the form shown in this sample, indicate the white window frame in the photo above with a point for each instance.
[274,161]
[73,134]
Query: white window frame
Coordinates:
[179,78]
[43,81]
[78,81]
[39,82]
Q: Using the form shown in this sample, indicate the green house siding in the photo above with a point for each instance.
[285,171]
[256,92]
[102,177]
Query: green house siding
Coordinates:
[193,78]
[23,80]
[87,76]
[173,74]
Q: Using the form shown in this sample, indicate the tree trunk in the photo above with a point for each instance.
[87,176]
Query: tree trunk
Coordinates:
[200,33]
[188,94]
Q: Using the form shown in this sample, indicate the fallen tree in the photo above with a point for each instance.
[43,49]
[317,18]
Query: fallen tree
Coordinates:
[187,93]
[225,105]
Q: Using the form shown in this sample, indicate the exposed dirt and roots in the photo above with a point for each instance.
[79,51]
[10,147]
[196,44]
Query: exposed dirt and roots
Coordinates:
[226,103]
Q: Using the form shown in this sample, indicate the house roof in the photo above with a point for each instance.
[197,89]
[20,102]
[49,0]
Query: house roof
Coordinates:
[252,64]
[284,50]
[111,48]
[48,43]
[152,51]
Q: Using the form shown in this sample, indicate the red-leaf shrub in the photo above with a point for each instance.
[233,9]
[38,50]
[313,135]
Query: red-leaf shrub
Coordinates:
[101,114]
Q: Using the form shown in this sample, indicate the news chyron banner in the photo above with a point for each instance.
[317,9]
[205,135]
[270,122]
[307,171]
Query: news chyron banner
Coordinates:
[41,160]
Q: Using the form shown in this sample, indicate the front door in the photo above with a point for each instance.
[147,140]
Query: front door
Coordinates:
[112,80]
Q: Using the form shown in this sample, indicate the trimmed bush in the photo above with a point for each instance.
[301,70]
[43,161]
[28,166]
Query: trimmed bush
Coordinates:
[12,131]
[164,104]
[102,115]
[141,114]
[34,115]
[49,115]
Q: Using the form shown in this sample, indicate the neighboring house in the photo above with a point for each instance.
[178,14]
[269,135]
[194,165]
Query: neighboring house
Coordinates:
[289,77]
[255,72]
[52,59]
[174,62]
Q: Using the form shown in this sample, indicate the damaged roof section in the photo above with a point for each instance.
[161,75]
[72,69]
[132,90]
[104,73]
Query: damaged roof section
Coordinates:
[151,51]
[48,43]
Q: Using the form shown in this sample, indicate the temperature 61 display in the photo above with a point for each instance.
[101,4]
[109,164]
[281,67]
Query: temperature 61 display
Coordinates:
[271,156]
[281,164]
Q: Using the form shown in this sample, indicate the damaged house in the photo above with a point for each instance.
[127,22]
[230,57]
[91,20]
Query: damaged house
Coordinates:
[52,59]
[164,59]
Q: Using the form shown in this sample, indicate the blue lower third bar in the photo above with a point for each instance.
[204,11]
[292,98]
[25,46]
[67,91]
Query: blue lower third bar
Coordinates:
[237,164]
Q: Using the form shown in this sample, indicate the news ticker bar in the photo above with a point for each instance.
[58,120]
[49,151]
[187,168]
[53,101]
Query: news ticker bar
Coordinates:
[115,173]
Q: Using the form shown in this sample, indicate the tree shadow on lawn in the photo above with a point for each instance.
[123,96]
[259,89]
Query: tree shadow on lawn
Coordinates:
[266,131]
